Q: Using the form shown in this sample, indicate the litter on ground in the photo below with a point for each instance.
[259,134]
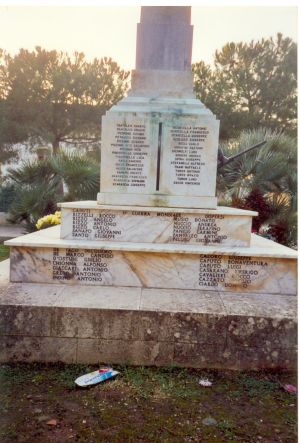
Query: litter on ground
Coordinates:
[290,388]
[95,377]
[205,382]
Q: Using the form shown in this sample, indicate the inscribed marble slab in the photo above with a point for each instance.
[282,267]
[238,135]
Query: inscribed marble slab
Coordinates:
[169,154]
[154,270]
[156,227]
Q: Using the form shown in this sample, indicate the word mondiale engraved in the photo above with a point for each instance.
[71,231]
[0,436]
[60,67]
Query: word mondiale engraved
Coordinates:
[100,225]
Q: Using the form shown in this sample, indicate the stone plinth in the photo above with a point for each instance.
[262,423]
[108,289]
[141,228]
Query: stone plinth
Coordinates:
[264,267]
[200,329]
[89,221]
[171,84]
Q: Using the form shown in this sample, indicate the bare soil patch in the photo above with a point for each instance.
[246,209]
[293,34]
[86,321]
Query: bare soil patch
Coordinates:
[145,405]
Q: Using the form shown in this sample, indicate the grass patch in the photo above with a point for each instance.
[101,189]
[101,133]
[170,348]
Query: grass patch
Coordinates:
[69,373]
[145,405]
[228,429]
[255,387]
[4,252]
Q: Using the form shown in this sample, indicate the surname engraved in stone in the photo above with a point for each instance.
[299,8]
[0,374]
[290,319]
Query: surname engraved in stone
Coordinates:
[186,153]
[231,271]
[156,227]
[82,265]
[126,158]
[159,143]
[129,152]
[189,155]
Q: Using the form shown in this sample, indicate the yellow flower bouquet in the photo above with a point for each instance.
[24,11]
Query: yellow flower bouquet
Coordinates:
[49,220]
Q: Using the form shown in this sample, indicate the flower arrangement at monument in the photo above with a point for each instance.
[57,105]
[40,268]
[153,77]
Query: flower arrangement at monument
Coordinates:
[49,220]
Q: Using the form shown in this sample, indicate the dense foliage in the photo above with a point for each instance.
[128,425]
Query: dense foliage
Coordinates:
[251,85]
[40,185]
[50,97]
[263,180]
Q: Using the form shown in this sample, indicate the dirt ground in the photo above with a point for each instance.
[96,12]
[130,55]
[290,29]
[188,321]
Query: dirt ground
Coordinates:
[145,405]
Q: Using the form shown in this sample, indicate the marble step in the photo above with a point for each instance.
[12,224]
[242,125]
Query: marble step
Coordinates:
[264,267]
[222,227]
[201,329]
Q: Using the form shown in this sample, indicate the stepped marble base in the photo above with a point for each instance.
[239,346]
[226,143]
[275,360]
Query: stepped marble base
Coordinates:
[200,329]
[223,226]
[265,267]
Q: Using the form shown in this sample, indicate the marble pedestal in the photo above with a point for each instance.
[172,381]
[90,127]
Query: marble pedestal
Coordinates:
[151,286]
[92,324]
[159,275]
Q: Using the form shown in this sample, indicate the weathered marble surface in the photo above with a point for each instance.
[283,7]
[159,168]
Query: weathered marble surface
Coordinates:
[4,272]
[159,144]
[171,201]
[164,38]
[89,221]
[163,53]
[159,154]
[42,322]
[259,246]
[171,84]
[144,104]
[152,270]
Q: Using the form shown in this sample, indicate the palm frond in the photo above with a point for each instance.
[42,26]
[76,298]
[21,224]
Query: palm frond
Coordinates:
[32,203]
[80,174]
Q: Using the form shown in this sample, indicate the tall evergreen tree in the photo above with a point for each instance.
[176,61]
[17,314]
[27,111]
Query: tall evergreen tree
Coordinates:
[51,97]
[251,85]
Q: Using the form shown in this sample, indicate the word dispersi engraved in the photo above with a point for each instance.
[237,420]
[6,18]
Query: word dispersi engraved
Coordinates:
[175,227]
[130,150]
[83,265]
[187,143]
[201,229]
[229,272]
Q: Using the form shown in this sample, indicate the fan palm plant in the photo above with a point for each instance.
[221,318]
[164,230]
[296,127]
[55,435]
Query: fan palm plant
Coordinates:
[79,173]
[40,185]
[264,180]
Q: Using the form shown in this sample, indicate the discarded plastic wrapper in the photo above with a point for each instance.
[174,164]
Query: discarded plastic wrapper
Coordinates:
[290,388]
[92,378]
[205,382]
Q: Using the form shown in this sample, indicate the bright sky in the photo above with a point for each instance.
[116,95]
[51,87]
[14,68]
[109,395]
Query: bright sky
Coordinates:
[111,31]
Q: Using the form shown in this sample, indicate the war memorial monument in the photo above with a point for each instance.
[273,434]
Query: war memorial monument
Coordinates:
[154,272]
